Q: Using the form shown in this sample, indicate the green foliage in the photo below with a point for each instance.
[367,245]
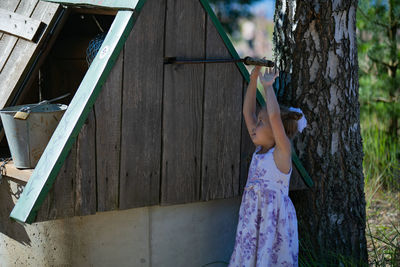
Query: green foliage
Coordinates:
[381,156]
[378,24]
[378,56]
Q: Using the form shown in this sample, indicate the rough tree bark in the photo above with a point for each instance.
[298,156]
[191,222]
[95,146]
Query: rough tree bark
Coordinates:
[315,41]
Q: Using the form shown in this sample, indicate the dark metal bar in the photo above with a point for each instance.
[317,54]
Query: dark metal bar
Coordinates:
[246,60]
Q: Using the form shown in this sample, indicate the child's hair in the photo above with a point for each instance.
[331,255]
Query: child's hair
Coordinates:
[289,120]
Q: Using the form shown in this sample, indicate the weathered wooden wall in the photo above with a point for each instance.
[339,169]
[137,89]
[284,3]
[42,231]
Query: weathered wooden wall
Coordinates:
[158,134]
[141,124]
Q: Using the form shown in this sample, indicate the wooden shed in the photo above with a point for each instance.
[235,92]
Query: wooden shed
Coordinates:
[138,131]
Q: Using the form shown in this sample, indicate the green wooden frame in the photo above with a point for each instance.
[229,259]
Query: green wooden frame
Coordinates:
[230,47]
[71,123]
[260,98]
[116,4]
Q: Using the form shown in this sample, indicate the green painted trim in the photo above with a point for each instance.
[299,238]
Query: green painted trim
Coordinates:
[118,4]
[230,47]
[246,75]
[303,173]
[71,123]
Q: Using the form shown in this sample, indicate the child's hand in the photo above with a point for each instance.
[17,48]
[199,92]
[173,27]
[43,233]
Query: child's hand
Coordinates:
[269,77]
[255,72]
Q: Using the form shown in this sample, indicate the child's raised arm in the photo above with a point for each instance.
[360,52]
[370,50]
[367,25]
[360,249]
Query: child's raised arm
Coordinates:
[281,140]
[249,105]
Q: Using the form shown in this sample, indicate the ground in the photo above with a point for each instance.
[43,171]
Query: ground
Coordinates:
[383,228]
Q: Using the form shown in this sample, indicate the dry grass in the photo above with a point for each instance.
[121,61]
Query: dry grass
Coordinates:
[383,227]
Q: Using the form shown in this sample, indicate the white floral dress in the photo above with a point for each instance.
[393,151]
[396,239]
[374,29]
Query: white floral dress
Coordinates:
[266,234]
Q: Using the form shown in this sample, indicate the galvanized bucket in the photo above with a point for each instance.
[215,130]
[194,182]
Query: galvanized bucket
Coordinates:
[28,138]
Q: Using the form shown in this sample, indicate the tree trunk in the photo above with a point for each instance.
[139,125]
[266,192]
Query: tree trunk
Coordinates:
[316,43]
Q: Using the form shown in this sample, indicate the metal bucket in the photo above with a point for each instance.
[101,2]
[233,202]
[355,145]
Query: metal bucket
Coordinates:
[28,138]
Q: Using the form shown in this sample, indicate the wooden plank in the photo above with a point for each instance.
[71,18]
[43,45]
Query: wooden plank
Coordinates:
[119,4]
[142,107]
[32,81]
[65,134]
[108,138]
[18,25]
[85,181]
[95,11]
[8,42]
[59,203]
[12,74]
[183,103]
[10,5]
[230,47]
[13,172]
[223,91]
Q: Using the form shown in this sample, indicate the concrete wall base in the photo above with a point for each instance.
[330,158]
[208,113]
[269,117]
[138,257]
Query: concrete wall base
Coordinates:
[186,235]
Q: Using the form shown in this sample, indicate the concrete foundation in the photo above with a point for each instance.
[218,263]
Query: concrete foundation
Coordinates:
[193,234]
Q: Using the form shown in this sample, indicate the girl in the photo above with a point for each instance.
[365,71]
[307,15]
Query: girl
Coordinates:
[266,234]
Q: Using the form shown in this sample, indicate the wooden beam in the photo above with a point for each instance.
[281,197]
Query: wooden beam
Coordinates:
[139,183]
[71,123]
[8,41]
[222,118]
[118,4]
[95,11]
[9,5]
[108,137]
[19,25]
[16,62]
[182,103]
[13,172]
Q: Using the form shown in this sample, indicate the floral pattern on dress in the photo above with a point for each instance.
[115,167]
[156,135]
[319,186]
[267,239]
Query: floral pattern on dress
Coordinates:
[266,233]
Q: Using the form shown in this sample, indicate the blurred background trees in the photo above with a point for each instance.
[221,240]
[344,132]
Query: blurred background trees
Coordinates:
[378,33]
[229,12]
[249,24]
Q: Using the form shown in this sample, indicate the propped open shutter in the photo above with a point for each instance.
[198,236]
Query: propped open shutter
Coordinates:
[17,54]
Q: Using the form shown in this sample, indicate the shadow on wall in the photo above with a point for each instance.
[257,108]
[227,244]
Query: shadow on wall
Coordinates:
[9,227]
